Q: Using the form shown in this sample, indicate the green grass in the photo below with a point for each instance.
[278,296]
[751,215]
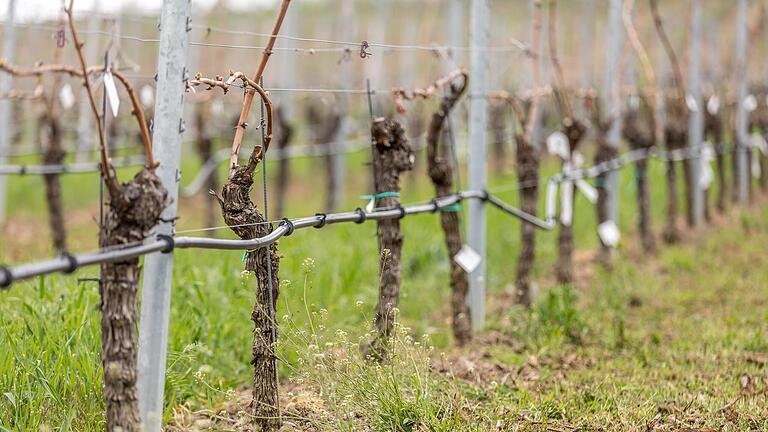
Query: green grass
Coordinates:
[598,360]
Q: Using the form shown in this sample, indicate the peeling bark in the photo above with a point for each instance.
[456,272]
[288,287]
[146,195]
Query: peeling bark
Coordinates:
[639,130]
[245,219]
[498,127]
[53,154]
[575,131]
[131,213]
[605,152]
[440,170]
[528,178]
[393,156]
[676,137]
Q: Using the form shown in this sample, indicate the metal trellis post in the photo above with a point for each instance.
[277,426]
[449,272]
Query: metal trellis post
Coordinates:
[740,147]
[696,119]
[158,267]
[478,152]
[6,81]
[615,42]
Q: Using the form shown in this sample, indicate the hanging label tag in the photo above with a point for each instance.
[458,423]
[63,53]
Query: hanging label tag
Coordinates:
[67,96]
[468,259]
[586,189]
[370,206]
[109,86]
[557,144]
[566,203]
[713,104]
[217,107]
[147,95]
[551,201]
[609,233]
[707,156]
[750,103]
[691,102]
[758,142]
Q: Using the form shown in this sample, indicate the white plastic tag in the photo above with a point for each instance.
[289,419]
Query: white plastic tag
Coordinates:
[217,107]
[691,102]
[557,144]
[467,259]
[566,203]
[609,233]
[750,103]
[109,86]
[707,175]
[586,189]
[67,96]
[147,95]
[551,200]
[758,142]
[713,104]
[369,207]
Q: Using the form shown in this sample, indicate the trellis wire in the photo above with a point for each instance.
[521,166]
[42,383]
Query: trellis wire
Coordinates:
[347,46]
[72,168]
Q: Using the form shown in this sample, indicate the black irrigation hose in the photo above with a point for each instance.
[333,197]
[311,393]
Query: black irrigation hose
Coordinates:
[67,263]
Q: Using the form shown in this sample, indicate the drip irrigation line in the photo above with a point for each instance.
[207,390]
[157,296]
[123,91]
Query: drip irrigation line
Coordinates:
[161,243]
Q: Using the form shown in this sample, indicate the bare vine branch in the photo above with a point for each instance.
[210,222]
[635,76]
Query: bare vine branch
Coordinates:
[562,99]
[137,110]
[106,169]
[250,86]
[400,94]
[248,99]
[536,48]
[651,91]
[676,70]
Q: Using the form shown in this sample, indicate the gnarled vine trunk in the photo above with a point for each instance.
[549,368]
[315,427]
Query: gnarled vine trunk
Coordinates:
[245,219]
[528,178]
[131,213]
[440,170]
[639,130]
[50,137]
[327,126]
[676,138]
[605,152]
[498,128]
[575,131]
[392,156]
